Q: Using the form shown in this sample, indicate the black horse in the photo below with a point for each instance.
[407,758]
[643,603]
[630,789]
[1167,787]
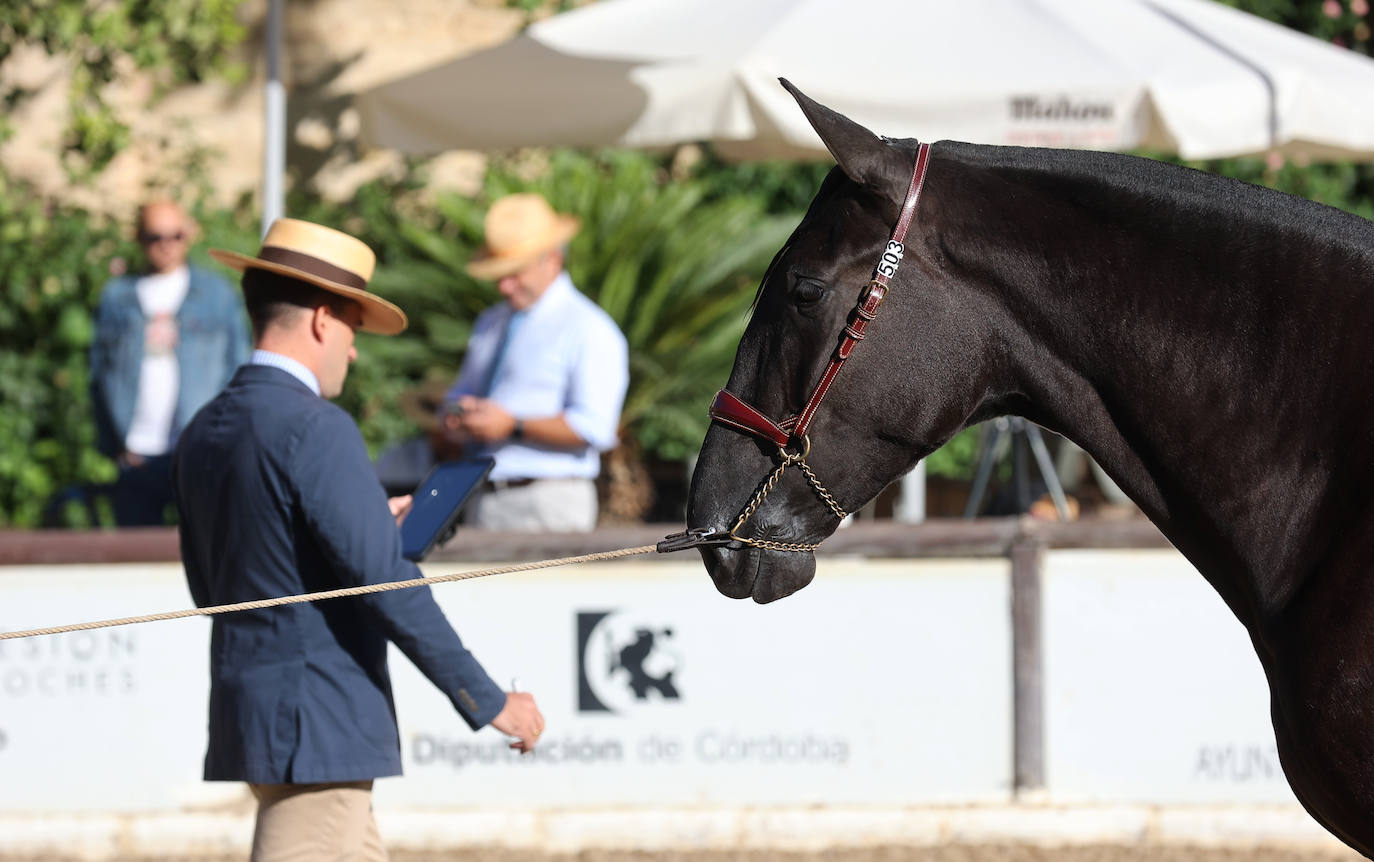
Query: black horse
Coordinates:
[1207,341]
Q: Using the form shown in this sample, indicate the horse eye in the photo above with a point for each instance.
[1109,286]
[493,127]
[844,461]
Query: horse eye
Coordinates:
[808,291]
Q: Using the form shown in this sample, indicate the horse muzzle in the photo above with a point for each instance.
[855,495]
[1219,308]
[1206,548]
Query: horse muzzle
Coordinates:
[740,571]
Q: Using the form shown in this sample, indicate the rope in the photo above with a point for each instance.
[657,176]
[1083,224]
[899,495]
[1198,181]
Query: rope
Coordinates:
[366,589]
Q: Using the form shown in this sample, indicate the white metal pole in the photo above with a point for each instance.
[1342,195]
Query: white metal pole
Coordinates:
[274,143]
[911,501]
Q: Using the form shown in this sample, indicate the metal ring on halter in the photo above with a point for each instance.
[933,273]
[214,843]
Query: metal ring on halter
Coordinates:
[792,459]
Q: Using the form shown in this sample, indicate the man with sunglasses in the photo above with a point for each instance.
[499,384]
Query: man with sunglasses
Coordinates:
[166,341]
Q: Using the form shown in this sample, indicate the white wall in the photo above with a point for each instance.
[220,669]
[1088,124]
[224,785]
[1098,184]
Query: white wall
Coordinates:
[883,683]
[1153,692]
[112,719]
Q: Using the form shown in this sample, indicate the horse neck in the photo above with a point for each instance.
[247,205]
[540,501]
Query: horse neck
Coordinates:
[1199,338]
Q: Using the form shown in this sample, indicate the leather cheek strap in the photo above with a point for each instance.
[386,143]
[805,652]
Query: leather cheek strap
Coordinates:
[732,411]
[728,409]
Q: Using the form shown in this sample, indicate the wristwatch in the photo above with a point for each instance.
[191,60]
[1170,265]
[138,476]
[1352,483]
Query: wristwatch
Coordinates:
[518,432]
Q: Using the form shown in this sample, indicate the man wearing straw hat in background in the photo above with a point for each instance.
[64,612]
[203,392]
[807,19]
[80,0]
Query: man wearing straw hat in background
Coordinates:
[277,497]
[543,380]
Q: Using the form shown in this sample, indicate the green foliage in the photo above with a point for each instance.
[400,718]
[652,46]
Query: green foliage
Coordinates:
[53,261]
[778,186]
[957,459]
[176,41]
[531,7]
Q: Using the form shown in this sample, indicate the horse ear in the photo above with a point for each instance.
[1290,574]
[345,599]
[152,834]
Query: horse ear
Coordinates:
[863,156]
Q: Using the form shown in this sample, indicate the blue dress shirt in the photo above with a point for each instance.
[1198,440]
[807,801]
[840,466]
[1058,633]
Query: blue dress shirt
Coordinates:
[566,357]
[287,364]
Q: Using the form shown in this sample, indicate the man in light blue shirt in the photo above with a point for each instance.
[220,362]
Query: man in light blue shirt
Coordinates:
[543,381]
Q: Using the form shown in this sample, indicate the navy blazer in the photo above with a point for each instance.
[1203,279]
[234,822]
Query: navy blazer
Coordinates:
[277,496]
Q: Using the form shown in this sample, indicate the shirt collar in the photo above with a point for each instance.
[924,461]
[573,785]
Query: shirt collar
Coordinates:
[287,364]
[553,295]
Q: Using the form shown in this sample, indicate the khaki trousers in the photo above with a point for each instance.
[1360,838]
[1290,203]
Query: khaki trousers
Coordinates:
[546,505]
[316,822]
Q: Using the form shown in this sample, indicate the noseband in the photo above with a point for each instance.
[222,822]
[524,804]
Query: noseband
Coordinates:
[789,435]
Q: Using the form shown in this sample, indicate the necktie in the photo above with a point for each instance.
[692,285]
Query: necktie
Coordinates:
[516,319]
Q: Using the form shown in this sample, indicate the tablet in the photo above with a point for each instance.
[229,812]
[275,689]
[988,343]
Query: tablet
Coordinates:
[436,504]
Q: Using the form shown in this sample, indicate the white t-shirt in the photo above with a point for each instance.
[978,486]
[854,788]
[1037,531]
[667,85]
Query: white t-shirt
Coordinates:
[160,295]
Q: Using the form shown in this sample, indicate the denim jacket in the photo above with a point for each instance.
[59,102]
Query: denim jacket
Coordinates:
[212,342]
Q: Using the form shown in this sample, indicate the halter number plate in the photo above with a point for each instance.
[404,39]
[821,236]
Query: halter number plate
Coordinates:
[891,259]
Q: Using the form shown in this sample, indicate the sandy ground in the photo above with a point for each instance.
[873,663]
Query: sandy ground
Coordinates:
[947,853]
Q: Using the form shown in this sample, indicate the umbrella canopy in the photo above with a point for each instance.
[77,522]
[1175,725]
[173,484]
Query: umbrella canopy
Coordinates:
[1191,77]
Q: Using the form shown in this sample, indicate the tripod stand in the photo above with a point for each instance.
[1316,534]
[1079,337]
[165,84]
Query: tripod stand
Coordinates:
[1022,436]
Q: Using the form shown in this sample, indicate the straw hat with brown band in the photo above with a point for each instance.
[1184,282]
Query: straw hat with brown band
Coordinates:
[519,229]
[326,258]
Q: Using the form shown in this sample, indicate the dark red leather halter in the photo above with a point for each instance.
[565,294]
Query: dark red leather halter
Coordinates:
[729,409]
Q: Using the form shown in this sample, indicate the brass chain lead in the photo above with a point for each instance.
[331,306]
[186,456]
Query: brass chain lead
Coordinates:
[821,491]
[767,487]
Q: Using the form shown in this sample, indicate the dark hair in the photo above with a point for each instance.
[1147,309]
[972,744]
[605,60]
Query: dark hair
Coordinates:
[272,298]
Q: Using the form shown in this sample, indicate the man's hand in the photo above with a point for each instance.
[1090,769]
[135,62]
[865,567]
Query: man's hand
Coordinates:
[448,438]
[127,459]
[485,420]
[520,718]
[400,507]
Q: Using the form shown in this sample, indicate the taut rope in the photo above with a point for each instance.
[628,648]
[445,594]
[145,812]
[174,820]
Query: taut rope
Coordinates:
[330,594]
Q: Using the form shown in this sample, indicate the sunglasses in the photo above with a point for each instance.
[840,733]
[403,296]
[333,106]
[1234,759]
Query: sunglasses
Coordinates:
[154,238]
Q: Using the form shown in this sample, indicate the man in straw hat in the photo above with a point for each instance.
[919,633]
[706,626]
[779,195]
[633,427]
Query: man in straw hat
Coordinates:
[278,497]
[543,380]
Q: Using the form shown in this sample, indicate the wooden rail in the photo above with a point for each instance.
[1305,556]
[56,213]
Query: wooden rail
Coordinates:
[944,537]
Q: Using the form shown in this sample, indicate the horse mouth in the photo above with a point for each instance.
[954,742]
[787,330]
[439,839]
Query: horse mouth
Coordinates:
[753,573]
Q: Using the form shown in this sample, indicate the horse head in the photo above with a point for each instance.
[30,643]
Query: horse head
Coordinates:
[1204,340]
[905,390]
